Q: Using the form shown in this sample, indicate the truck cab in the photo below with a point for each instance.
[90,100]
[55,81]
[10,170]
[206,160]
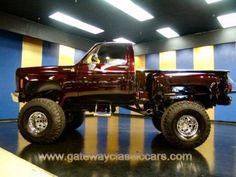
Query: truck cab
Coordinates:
[107,70]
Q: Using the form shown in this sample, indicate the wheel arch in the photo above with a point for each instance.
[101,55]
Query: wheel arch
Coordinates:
[32,89]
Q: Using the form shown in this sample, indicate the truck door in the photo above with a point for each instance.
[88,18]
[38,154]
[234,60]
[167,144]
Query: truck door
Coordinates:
[104,73]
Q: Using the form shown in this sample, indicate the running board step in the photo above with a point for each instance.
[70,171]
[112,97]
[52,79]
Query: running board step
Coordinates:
[102,114]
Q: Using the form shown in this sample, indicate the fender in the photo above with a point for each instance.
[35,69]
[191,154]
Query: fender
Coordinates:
[34,87]
[190,90]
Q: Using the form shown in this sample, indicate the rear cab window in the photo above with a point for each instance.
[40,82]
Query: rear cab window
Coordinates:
[112,54]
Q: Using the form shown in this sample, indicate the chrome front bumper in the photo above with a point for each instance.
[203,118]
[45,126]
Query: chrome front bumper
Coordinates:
[15,97]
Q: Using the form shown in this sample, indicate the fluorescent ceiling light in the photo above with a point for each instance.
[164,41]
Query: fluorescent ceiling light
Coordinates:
[123,40]
[75,23]
[212,1]
[131,9]
[227,20]
[167,32]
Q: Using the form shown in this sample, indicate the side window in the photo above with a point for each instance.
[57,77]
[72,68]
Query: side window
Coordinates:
[112,54]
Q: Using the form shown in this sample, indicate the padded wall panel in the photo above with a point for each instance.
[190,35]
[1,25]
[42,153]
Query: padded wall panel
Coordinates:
[31,52]
[203,58]
[152,61]
[10,60]
[140,62]
[78,55]
[184,59]
[66,56]
[168,60]
[50,54]
[225,58]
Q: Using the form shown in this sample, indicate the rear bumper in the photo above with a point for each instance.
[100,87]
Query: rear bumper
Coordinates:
[15,97]
[232,92]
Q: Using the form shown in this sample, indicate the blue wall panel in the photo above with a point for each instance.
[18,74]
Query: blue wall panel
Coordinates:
[78,55]
[10,60]
[225,58]
[152,61]
[184,59]
[50,54]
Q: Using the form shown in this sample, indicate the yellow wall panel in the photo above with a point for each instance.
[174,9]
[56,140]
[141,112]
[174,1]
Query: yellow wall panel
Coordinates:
[31,52]
[140,62]
[203,58]
[168,60]
[66,56]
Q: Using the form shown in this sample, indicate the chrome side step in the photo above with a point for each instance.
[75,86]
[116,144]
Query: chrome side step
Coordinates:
[102,114]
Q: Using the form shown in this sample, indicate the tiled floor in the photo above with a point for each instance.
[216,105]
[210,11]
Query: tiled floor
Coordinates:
[122,135]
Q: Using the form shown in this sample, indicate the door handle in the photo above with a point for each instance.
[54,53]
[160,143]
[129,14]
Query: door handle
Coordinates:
[123,67]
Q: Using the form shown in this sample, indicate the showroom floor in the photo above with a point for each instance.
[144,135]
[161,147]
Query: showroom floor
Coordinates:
[121,137]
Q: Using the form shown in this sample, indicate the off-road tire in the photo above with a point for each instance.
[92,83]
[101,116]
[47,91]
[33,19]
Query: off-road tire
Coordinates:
[55,117]
[74,120]
[174,113]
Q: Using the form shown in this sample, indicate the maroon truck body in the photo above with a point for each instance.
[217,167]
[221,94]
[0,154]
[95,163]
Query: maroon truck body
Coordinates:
[120,84]
[106,78]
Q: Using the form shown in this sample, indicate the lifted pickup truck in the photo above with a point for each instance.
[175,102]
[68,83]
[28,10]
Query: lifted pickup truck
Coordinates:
[104,79]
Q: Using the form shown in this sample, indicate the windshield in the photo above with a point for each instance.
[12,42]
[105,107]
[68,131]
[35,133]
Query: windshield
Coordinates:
[113,54]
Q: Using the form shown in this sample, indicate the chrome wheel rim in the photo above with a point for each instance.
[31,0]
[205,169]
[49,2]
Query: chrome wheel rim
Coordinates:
[187,126]
[37,123]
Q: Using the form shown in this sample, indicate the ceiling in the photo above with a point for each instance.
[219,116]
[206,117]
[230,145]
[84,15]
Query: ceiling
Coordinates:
[184,16]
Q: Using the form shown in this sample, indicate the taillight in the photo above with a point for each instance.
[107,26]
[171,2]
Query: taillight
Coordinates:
[229,87]
[21,83]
